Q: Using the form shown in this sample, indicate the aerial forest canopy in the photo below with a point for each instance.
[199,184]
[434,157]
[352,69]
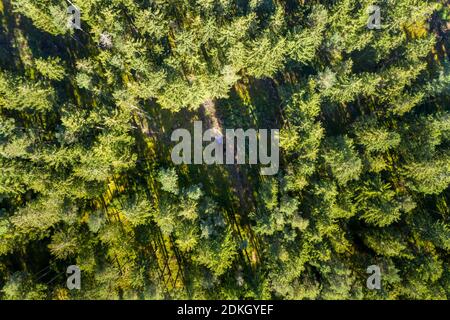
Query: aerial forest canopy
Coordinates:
[86,176]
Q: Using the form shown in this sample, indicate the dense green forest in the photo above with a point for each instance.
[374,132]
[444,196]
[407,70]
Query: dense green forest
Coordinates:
[86,176]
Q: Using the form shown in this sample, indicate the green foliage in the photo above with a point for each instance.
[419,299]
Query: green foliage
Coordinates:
[169,180]
[86,118]
[343,160]
[50,68]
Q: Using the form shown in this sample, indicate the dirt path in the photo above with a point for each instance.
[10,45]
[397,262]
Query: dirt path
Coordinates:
[239,182]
